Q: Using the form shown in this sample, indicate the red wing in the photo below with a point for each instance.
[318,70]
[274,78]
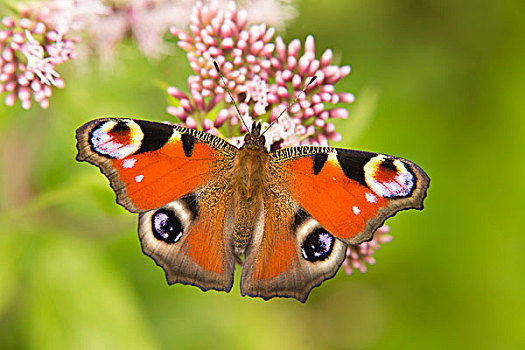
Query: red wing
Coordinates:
[350,193]
[150,164]
[317,200]
[179,181]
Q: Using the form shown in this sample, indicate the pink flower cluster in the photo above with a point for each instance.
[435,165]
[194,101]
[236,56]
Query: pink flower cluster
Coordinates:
[264,75]
[30,51]
[358,256]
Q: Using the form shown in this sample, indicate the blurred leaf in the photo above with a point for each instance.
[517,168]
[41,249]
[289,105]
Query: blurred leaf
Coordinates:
[105,198]
[76,299]
[163,85]
[9,261]
[361,115]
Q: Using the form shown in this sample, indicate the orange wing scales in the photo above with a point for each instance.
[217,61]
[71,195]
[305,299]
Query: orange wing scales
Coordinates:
[201,243]
[277,249]
[167,173]
[338,203]
[205,242]
[186,239]
[150,164]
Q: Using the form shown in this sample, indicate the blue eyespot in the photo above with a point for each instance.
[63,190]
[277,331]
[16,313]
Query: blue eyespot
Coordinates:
[166,226]
[318,245]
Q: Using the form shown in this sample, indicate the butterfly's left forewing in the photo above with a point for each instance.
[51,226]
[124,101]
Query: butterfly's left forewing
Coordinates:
[150,164]
[326,198]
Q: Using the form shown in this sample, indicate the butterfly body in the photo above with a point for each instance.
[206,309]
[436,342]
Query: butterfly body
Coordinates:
[249,179]
[203,203]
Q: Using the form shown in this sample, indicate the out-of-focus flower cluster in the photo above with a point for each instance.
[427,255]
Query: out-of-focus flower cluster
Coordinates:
[30,52]
[264,74]
[105,23]
[358,256]
[35,39]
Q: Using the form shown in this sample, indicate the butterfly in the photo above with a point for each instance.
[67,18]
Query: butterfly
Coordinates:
[287,215]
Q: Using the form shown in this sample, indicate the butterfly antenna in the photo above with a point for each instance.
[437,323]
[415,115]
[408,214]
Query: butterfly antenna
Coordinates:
[229,93]
[291,103]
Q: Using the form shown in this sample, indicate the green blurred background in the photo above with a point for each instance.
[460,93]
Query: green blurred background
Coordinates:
[444,82]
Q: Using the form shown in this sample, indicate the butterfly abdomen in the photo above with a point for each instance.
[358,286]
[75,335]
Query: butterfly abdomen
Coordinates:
[246,220]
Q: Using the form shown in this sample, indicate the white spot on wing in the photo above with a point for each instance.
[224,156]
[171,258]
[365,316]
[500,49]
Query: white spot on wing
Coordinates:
[128,163]
[370,197]
[356,210]
[139,178]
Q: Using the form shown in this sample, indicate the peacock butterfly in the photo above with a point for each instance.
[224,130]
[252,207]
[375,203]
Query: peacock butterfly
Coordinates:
[204,203]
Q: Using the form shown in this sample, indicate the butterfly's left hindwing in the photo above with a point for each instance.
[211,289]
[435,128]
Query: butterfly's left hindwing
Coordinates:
[186,237]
